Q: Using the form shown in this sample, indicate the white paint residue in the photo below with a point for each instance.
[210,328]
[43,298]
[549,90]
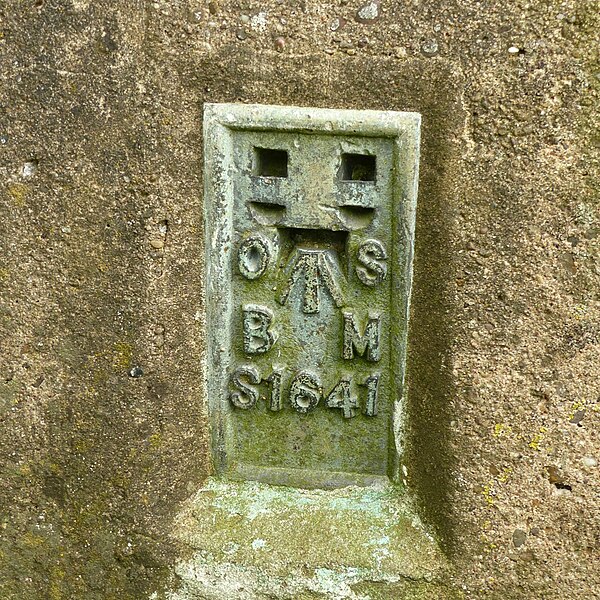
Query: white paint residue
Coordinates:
[29,169]
[258,544]
[202,576]
[369,11]
[335,584]
[259,22]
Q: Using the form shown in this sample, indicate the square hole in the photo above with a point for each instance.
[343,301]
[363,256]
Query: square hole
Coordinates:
[270,163]
[358,167]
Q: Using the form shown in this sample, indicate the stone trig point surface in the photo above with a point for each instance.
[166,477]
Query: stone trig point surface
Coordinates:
[299,300]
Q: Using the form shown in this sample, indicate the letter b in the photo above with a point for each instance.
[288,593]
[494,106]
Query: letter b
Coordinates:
[257,337]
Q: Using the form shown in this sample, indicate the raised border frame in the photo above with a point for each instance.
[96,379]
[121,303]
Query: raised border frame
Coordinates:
[220,120]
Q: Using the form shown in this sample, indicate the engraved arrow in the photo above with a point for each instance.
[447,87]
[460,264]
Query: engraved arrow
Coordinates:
[316,268]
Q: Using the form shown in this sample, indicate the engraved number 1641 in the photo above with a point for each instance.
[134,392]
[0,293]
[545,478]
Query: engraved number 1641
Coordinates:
[305,392]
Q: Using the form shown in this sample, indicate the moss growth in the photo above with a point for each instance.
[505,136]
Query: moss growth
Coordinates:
[17,192]
[122,355]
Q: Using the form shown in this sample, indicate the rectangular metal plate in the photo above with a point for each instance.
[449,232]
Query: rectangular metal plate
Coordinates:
[309,233]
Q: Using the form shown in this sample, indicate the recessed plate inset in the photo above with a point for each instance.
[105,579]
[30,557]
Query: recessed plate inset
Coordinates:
[309,229]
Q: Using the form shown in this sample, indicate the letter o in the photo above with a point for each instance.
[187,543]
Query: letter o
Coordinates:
[253,257]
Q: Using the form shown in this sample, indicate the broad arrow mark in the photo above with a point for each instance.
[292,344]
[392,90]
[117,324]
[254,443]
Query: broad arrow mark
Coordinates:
[316,268]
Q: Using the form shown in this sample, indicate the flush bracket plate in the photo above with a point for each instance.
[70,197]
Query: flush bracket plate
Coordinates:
[309,224]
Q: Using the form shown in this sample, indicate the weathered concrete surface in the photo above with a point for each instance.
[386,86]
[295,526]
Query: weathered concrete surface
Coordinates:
[253,540]
[103,425]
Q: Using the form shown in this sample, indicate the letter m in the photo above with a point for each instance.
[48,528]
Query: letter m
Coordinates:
[367,344]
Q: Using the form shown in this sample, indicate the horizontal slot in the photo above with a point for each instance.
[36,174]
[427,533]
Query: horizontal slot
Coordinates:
[356,217]
[267,213]
[295,237]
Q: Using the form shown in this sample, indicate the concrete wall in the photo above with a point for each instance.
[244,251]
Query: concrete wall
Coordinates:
[102,415]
